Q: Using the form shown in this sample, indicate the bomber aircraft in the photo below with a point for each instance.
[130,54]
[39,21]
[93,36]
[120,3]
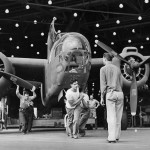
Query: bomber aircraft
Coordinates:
[69,57]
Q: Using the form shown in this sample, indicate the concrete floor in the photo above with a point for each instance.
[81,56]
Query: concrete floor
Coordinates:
[52,139]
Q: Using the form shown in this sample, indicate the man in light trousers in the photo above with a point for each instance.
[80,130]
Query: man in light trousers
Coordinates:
[111,85]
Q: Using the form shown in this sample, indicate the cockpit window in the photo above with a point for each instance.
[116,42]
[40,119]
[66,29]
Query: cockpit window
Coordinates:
[78,59]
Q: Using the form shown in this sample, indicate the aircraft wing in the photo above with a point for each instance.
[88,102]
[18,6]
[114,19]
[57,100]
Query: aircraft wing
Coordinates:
[28,68]
[97,62]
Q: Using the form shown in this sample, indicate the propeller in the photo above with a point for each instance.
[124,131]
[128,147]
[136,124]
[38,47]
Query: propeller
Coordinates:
[133,88]
[133,95]
[144,61]
[18,81]
[109,50]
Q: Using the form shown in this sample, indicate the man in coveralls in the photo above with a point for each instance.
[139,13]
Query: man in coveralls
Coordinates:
[25,109]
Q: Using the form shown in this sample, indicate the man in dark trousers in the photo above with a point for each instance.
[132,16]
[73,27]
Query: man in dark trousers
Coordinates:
[111,82]
[25,110]
[85,114]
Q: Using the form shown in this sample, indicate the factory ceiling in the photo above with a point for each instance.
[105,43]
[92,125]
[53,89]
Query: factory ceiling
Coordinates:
[24,24]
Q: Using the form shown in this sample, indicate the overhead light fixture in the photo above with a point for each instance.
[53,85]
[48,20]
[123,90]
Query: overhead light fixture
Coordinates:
[50,2]
[16,25]
[129,41]
[10,39]
[118,21]
[6,11]
[146,1]
[58,31]
[112,43]
[25,37]
[141,46]
[35,21]
[133,30]
[31,45]
[139,18]
[95,45]
[96,36]
[97,25]
[147,38]
[94,52]
[0,28]
[42,34]
[17,47]
[114,33]
[75,14]
[27,7]
[96,41]
[38,53]
[120,5]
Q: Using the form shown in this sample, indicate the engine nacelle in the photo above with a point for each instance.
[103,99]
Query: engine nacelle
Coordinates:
[6,66]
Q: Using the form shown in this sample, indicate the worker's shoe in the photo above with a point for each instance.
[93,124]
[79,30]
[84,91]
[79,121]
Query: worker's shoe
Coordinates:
[24,133]
[75,136]
[111,141]
[81,132]
[70,135]
[117,140]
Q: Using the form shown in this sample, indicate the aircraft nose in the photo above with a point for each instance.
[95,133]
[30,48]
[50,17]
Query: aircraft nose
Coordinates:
[71,42]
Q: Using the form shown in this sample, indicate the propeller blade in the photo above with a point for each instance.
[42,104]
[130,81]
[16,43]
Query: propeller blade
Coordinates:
[144,61]
[133,95]
[109,50]
[17,80]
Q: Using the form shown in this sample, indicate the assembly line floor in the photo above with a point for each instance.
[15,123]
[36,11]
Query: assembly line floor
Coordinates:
[56,139]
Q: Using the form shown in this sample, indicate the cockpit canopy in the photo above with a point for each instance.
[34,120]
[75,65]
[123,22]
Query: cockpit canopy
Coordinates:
[72,41]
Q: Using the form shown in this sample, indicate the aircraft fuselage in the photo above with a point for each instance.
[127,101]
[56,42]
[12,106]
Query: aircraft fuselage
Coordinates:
[70,58]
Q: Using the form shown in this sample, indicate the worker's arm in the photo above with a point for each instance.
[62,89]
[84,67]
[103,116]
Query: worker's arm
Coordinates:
[97,102]
[17,92]
[103,85]
[77,102]
[34,94]
[85,101]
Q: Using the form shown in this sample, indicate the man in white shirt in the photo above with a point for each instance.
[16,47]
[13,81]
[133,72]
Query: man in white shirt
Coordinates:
[73,108]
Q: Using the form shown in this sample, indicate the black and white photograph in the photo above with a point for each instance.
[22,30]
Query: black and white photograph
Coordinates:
[74,74]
